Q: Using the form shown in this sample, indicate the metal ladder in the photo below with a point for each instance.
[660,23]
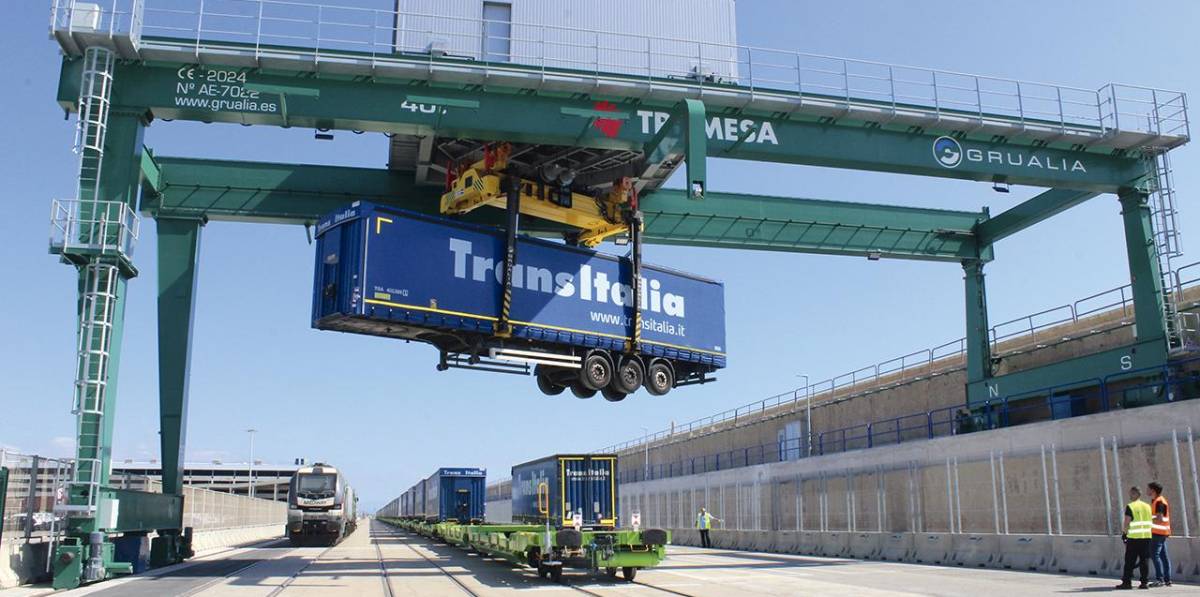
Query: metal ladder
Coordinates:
[95,92]
[1164,215]
[91,378]
[101,277]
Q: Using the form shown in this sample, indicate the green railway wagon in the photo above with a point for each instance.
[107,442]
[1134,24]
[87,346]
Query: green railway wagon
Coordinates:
[549,551]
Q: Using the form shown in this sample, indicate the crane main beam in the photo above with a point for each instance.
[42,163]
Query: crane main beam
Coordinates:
[212,93]
[301,194]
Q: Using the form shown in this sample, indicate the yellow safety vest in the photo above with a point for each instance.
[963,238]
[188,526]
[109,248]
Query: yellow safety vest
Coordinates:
[1142,520]
[704,521]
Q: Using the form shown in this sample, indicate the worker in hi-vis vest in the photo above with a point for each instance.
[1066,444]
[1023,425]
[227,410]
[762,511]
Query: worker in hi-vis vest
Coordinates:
[1160,528]
[1136,535]
[704,522]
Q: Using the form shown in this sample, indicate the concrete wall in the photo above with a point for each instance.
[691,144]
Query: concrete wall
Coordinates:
[989,498]
[890,396]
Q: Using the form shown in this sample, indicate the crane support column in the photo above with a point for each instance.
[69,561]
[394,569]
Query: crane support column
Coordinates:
[96,234]
[178,253]
[979,348]
[1144,275]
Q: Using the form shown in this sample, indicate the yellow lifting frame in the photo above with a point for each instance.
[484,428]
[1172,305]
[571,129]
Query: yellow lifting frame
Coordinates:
[596,219]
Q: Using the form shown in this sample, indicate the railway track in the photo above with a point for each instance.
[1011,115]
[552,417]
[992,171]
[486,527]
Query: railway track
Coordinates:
[636,582]
[289,580]
[457,581]
[469,591]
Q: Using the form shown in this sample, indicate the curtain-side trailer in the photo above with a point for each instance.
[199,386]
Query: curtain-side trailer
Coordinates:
[387,272]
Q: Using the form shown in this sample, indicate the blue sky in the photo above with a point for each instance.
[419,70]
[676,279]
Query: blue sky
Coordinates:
[379,409]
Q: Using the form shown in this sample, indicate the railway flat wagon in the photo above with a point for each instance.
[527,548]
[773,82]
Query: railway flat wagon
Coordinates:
[572,316]
[566,490]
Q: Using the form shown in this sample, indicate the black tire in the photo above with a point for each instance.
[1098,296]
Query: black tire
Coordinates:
[659,378]
[556,574]
[597,371]
[610,572]
[568,538]
[582,392]
[612,395]
[629,376]
[547,386]
[654,537]
[629,573]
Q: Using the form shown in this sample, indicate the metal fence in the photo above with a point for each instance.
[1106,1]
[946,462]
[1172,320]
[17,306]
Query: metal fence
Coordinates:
[33,482]
[1038,489]
[332,32]
[1109,309]
[36,483]
[208,510]
[1107,391]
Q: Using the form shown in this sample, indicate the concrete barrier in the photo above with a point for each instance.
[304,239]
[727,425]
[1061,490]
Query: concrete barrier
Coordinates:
[723,539]
[864,546]
[933,548]
[22,562]
[787,542]
[896,547]
[240,536]
[810,542]
[975,550]
[685,537]
[1095,556]
[835,544]
[1026,552]
[1185,558]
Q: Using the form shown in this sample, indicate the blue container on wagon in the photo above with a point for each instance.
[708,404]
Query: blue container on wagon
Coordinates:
[557,488]
[453,494]
[388,272]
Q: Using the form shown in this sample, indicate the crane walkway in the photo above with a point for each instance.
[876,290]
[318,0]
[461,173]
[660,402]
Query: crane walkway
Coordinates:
[379,560]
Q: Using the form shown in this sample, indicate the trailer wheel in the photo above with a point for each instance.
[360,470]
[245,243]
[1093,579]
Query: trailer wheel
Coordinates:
[556,573]
[612,395]
[630,375]
[547,386]
[659,378]
[597,370]
[629,572]
[610,572]
[582,392]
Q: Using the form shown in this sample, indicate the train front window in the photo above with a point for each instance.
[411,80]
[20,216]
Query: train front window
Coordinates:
[313,483]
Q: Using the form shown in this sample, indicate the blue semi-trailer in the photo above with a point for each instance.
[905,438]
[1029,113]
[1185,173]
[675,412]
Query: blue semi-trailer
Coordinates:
[556,489]
[449,494]
[387,272]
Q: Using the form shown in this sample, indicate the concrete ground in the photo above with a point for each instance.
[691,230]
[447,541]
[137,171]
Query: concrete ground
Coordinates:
[380,561]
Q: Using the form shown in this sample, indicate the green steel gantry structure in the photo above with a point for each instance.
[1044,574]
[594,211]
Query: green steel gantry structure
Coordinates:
[138,61]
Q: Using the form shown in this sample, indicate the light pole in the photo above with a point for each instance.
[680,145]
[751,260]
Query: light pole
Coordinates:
[646,443]
[807,414]
[250,467]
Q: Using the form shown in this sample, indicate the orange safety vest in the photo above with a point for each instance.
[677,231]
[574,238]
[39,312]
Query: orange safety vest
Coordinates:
[1163,529]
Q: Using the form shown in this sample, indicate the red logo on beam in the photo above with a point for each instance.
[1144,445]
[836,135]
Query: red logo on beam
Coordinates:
[608,126]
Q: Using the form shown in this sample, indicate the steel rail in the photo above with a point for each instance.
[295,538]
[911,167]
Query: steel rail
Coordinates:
[383,571]
[289,580]
[452,577]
